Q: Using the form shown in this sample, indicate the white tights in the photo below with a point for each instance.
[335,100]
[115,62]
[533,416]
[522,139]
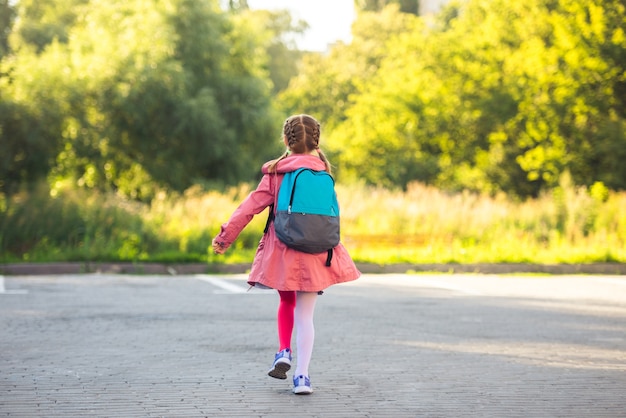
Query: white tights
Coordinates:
[305,331]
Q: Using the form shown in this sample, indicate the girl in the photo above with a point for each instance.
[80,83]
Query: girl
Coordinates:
[297,276]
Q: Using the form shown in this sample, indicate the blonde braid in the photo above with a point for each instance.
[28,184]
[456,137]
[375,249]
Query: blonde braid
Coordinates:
[317,131]
[325,160]
[290,133]
[302,134]
[316,134]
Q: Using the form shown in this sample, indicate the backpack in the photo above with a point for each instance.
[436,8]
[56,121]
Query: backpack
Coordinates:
[307,212]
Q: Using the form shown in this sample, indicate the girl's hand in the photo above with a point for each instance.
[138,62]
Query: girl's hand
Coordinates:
[218,247]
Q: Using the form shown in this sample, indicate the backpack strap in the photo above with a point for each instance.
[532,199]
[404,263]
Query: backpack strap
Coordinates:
[329,257]
[270,218]
[270,215]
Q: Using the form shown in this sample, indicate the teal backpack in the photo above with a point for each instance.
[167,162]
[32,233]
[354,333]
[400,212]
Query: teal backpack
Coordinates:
[307,212]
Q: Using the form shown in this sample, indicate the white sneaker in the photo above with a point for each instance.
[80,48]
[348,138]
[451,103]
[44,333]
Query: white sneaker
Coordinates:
[302,385]
[282,364]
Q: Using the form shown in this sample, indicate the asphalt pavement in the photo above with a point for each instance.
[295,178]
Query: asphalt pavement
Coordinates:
[392,345]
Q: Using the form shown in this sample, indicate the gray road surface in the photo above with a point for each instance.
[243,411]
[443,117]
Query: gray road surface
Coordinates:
[386,346]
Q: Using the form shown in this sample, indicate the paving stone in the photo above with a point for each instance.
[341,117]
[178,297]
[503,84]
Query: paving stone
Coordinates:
[108,345]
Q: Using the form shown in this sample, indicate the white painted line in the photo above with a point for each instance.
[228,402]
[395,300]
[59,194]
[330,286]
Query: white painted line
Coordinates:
[4,291]
[222,284]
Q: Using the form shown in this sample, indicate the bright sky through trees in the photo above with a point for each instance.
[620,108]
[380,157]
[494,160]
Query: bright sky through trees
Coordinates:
[329,20]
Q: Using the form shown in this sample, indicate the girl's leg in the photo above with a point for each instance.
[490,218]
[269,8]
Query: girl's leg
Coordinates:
[285,318]
[305,331]
[282,360]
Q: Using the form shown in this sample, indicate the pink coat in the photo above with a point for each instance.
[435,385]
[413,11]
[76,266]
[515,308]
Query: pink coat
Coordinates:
[275,265]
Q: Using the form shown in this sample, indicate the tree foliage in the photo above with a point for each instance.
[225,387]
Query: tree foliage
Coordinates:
[42,22]
[7,15]
[276,41]
[137,95]
[491,96]
[134,96]
[327,84]
[404,6]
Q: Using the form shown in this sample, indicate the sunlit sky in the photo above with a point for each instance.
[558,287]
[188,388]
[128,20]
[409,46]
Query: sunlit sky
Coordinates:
[329,20]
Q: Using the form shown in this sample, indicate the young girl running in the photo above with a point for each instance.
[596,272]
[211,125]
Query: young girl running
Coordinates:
[297,276]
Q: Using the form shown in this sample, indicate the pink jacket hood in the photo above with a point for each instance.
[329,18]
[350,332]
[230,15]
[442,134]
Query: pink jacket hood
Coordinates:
[296,161]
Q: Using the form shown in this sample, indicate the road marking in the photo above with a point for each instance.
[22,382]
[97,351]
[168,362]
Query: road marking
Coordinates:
[225,285]
[4,291]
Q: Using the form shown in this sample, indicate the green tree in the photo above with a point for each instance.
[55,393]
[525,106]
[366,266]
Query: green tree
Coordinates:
[273,33]
[42,22]
[405,6]
[564,75]
[336,88]
[31,118]
[590,39]
[144,98]
[327,84]
[495,96]
[7,16]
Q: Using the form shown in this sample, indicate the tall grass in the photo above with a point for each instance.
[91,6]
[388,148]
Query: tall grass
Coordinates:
[419,225]
[426,225]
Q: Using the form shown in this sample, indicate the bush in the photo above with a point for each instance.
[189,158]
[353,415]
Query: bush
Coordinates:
[420,225]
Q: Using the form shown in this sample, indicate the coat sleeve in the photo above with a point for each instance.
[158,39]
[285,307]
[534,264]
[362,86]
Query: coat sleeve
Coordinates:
[252,205]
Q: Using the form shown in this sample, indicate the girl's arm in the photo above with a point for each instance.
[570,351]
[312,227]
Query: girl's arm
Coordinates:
[252,205]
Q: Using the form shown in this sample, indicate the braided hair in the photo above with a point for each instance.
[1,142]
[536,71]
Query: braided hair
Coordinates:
[302,135]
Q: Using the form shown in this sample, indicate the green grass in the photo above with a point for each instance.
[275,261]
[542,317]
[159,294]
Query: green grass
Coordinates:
[420,225]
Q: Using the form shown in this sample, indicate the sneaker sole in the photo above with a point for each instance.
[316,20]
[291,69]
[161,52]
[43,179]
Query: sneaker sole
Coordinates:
[302,390]
[279,371]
